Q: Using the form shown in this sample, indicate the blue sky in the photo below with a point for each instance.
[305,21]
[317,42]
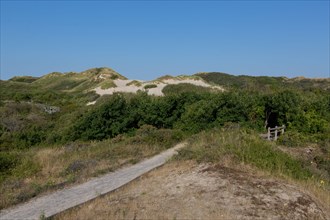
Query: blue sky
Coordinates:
[145,39]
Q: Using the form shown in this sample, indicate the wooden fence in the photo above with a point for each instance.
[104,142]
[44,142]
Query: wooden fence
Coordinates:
[274,132]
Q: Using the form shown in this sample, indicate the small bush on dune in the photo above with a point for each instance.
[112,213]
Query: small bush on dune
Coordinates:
[150,86]
[8,161]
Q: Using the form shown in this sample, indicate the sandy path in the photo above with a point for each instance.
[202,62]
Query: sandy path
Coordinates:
[64,199]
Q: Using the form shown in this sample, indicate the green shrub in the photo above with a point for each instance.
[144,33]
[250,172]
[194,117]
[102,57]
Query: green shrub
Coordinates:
[106,121]
[184,87]
[22,97]
[8,161]
[108,84]
[27,166]
[198,116]
[134,83]
[29,137]
[150,86]
[113,77]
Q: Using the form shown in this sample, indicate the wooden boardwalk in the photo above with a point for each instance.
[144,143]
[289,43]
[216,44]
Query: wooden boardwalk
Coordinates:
[62,200]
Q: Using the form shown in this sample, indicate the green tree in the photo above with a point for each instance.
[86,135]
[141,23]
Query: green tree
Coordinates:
[283,108]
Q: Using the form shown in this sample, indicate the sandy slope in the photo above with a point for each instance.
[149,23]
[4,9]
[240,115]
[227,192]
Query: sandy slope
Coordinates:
[186,190]
[123,87]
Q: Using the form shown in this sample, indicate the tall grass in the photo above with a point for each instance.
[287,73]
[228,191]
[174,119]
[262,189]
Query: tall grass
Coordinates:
[242,146]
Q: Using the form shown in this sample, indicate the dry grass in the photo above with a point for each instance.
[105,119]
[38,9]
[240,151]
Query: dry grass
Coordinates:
[316,190]
[50,161]
[141,199]
[178,191]
[187,190]
[48,169]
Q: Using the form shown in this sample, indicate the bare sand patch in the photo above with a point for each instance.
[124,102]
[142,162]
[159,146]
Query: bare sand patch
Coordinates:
[122,86]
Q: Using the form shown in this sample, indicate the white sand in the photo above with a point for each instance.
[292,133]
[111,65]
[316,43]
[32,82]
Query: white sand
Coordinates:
[91,103]
[157,91]
[121,87]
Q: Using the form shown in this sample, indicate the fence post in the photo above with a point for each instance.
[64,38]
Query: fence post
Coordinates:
[275,138]
[268,134]
[282,131]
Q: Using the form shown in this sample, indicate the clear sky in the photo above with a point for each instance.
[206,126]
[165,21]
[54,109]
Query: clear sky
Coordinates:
[145,39]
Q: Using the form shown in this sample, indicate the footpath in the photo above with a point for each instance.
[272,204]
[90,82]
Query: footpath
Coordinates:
[64,199]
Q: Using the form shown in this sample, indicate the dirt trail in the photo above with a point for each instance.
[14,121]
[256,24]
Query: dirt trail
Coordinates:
[186,190]
[64,199]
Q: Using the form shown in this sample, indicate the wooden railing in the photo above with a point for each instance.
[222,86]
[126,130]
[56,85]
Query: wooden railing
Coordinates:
[274,132]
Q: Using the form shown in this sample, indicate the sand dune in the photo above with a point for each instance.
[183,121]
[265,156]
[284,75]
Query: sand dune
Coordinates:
[122,86]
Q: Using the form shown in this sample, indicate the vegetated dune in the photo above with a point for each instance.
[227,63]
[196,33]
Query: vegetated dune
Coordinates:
[264,83]
[107,81]
[42,154]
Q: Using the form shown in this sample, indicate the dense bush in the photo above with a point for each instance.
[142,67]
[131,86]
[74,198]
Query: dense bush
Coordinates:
[185,107]
[107,121]
[193,112]
[30,137]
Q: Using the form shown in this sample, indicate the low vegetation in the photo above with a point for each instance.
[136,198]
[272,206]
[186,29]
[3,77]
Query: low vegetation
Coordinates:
[27,173]
[134,83]
[184,88]
[150,86]
[107,84]
[264,83]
